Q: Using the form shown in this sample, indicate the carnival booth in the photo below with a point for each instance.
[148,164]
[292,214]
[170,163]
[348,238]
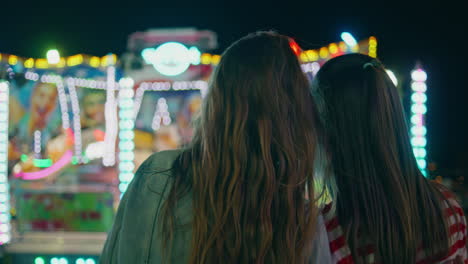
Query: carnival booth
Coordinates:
[58,143]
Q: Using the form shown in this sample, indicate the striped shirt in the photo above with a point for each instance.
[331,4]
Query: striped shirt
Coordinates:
[341,253]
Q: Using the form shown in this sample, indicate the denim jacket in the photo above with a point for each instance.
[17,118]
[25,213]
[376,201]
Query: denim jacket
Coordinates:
[135,239]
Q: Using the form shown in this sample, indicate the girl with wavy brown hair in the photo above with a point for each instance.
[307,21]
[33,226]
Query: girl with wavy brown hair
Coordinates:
[236,193]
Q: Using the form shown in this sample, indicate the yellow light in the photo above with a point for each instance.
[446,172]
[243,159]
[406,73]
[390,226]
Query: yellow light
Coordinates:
[29,63]
[373,47]
[333,48]
[355,48]
[323,52]
[108,60]
[114,58]
[61,63]
[215,59]
[304,57]
[0,56]
[343,46]
[42,64]
[205,58]
[95,62]
[12,60]
[75,60]
[312,55]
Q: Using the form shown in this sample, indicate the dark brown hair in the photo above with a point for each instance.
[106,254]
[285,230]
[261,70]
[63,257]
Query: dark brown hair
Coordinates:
[381,197]
[250,164]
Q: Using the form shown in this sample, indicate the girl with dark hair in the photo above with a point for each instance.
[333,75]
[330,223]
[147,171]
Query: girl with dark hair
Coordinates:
[383,209]
[236,193]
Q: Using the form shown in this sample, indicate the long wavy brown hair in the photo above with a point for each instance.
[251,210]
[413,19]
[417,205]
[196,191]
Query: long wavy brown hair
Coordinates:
[250,163]
[381,197]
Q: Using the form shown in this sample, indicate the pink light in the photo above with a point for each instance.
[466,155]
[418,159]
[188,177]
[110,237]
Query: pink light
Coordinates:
[62,162]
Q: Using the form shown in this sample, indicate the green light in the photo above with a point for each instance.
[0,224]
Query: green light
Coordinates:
[418,109]
[416,120]
[420,153]
[422,164]
[24,157]
[42,163]
[419,98]
[80,261]
[39,260]
[419,130]
[418,142]
[74,160]
[90,261]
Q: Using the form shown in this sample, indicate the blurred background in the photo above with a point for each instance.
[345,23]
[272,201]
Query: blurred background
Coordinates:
[87,93]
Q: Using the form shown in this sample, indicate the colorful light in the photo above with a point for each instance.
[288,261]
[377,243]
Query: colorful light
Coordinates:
[333,48]
[39,260]
[78,148]
[12,60]
[348,39]
[75,60]
[62,162]
[37,143]
[161,114]
[90,261]
[111,119]
[171,58]
[4,190]
[418,110]
[42,163]
[126,134]
[29,63]
[323,52]
[373,47]
[295,47]
[53,56]
[95,150]
[95,62]
[312,55]
[392,77]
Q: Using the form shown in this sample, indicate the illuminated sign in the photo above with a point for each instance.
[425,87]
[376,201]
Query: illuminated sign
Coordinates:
[171,58]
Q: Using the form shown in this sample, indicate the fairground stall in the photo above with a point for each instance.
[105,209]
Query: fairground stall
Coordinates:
[74,129]
[58,175]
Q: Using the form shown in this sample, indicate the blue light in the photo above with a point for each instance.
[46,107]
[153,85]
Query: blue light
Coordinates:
[348,39]
[422,164]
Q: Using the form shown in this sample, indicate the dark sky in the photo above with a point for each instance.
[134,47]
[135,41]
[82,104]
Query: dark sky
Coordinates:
[432,35]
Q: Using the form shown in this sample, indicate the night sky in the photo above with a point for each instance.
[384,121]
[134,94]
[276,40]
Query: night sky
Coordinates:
[432,35]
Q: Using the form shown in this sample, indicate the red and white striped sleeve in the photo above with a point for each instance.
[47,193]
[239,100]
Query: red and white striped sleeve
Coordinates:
[340,252]
[457,231]
[457,228]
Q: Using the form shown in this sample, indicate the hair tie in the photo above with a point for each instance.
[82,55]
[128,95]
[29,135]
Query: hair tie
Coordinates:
[372,63]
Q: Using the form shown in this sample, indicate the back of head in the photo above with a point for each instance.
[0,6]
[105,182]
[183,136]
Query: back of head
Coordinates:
[251,157]
[381,196]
